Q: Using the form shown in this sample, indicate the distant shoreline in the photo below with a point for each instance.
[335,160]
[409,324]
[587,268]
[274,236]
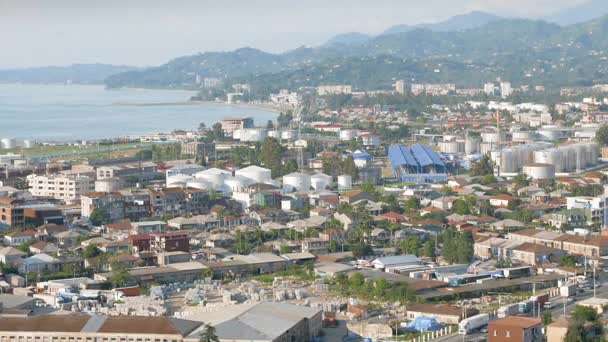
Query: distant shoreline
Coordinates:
[196,103]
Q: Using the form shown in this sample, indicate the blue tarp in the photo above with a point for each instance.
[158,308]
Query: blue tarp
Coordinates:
[423,324]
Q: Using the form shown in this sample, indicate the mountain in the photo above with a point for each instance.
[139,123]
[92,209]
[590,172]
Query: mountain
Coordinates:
[587,11]
[532,52]
[456,23]
[348,38]
[76,73]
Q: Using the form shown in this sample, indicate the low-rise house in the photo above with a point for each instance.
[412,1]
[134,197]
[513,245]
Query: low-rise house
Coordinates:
[354,196]
[515,329]
[67,238]
[19,237]
[219,240]
[501,201]
[315,246]
[44,247]
[11,255]
[535,254]
[390,262]
[39,263]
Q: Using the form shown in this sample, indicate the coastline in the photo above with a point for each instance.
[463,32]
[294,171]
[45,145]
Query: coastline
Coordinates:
[259,106]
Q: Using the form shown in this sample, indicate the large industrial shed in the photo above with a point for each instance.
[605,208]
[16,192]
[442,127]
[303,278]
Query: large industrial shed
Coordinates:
[417,163]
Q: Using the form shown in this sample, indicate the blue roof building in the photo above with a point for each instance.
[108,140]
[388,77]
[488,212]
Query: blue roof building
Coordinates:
[418,163]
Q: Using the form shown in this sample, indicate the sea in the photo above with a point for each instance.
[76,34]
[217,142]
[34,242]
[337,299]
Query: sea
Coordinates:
[60,113]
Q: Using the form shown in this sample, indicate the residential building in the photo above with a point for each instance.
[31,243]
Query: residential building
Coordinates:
[19,237]
[334,89]
[170,242]
[66,188]
[11,255]
[316,246]
[515,329]
[233,124]
[594,208]
[143,171]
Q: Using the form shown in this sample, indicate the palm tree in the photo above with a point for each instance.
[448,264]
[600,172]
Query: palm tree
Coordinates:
[208,334]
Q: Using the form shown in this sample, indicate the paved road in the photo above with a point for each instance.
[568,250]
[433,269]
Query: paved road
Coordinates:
[476,337]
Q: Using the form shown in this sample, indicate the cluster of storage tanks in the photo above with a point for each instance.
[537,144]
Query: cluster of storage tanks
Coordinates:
[10,143]
[224,181]
[541,160]
[256,134]
[453,146]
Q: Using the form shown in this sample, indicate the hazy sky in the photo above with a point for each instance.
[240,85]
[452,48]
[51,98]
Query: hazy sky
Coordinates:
[150,32]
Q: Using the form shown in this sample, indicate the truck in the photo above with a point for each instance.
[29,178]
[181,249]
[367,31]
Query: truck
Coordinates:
[473,323]
[567,290]
[540,300]
[508,310]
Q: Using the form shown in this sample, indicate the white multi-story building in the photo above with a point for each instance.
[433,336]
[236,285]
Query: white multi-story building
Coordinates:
[594,208]
[489,88]
[400,86]
[334,89]
[67,188]
[505,89]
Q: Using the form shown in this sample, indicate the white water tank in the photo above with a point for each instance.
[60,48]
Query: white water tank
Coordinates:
[250,134]
[178,181]
[199,183]
[8,143]
[287,135]
[237,183]
[523,136]
[296,182]
[345,182]
[320,181]
[539,171]
[348,134]
[216,177]
[28,144]
[451,147]
[259,174]
[471,146]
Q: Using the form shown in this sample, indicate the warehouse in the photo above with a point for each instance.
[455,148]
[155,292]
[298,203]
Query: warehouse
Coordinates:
[418,163]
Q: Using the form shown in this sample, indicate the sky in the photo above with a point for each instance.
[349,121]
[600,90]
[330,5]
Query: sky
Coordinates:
[151,32]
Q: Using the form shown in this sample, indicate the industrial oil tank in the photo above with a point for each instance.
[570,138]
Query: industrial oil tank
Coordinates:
[523,136]
[452,147]
[550,156]
[296,182]
[178,181]
[8,143]
[471,146]
[28,144]
[348,134]
[199,183]
[345,182]
[259,174]
[320,181]
[237,183]
[539,171]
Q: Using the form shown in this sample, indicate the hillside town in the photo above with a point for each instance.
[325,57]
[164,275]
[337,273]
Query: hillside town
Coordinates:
[338,221]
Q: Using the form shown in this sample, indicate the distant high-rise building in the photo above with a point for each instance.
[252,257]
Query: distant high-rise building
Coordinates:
[489,88]
[400,86]
[505,89]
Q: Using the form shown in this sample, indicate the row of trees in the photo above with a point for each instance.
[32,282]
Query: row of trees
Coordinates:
[457,246]
[380,290]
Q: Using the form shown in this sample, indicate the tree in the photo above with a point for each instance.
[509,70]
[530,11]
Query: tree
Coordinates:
[483,167]
[567,261]
[601,136]
[91,251]
[361,250]
[461,207]
[202,126]
[428,249]
[120,274]
[585,314]
[217,131]
[208,334]
[99,217]
[521,180]
[412,204]
[547,318]
[269,125]
[270,156]
[411,245]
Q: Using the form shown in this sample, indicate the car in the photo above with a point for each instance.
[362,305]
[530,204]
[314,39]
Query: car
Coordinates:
[549,305]
[484,329]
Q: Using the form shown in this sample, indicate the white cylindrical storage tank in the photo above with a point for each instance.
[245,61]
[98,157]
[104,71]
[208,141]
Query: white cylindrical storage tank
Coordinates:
[539,171]
[296,182]
[178,181]
[449,137]
[548,156]
[452,147]
[492,137]
[523,136]
[8,143]
[320,181]
[287,135]
[28,144]
[345,182]
[347,134]
[273,134]
[471,146]
[550,134]
[237,183]
[216,177]
[259,174]
[250,134]
[199,183]
[485,148]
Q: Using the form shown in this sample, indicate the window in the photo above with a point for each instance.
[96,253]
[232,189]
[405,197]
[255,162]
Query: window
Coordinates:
[507,333]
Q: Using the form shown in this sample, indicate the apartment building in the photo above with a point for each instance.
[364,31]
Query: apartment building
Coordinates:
[593,207]
[334,89]
[232,124]
[142,171]
[178,201]
[67,188]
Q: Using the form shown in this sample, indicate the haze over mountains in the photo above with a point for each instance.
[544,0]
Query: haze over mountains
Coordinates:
[477,42]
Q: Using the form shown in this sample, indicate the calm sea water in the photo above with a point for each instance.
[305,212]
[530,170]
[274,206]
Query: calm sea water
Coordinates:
[71,112]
